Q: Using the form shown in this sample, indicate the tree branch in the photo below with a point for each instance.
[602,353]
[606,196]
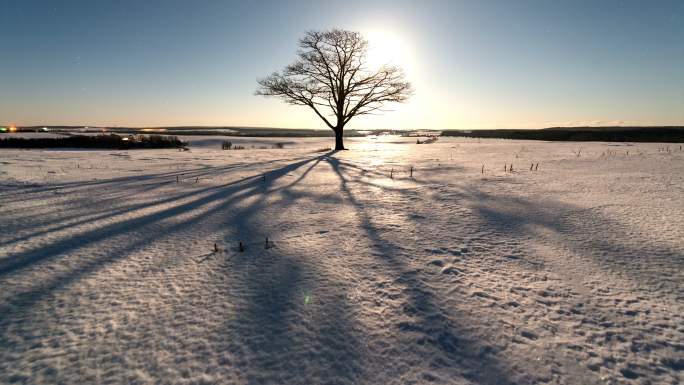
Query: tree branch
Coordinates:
[330,71]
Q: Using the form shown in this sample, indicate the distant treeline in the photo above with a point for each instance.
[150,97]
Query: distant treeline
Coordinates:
[669,134]
[196,130]
[287,132]
[110,141]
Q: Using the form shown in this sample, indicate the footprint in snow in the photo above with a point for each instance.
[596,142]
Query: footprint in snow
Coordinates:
[450,270]
[437,262]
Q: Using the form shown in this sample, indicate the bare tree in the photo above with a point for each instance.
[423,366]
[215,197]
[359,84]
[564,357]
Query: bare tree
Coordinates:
[332,77]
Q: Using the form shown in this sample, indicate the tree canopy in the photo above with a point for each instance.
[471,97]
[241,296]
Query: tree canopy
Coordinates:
[331,76]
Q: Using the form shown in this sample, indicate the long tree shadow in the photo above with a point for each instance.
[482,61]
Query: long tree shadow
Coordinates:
[268,313]
[79,240]
[458,351]
[584,232]
[515,218]
[273,318]
[276,317]
[129,186]
[220,196]
[132,182]
[597,253]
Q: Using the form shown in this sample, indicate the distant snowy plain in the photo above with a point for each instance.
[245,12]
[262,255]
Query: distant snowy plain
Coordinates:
[569,273]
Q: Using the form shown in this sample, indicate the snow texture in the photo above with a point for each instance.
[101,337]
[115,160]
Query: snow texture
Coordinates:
[569,273]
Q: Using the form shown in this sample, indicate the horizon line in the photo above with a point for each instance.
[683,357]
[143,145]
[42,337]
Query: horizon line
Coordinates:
[325,129]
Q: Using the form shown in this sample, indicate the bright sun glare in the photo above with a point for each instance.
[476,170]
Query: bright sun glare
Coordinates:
[385,47]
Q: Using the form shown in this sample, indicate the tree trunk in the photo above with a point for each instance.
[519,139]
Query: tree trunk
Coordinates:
[339,143]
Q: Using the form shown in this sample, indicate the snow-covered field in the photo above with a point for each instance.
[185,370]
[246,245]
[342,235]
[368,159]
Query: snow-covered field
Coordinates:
[571,273]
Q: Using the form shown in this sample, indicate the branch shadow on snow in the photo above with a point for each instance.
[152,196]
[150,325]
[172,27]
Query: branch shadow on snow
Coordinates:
[515,217]
[112,191]
[271,303]
[280,309]
[584,232]
[186,202]
[267,311]
[456,350]
[429,318]
[274,286]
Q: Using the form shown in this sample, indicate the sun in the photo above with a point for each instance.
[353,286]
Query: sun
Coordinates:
[388,48]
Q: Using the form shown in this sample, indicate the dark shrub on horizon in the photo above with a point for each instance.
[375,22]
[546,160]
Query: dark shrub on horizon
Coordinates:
[672,134]
[111,141]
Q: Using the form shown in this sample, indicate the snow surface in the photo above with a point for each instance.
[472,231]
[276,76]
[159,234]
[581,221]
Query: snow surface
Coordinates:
[568,274]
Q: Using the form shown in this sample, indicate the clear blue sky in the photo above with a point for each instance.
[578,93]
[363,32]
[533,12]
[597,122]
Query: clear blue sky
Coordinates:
[474,64]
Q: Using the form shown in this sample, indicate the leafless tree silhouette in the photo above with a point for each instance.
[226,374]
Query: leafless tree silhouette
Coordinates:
[332,77]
